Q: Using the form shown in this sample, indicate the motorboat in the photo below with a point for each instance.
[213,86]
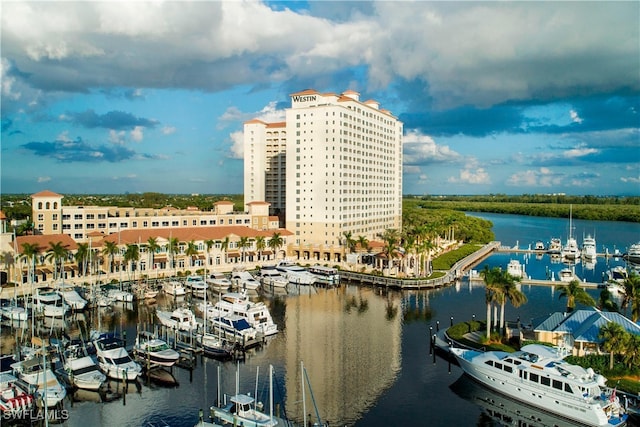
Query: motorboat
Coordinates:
[327,276]
[181,319]
[72,298]
[516,269]
[539,246]
[616,274]
[81,370]
[555,246]
[567,275]
[47,301]
[196,285]
[10,310]
[235,328]
[242,279]
[633,254]
[120,295]
[114,360]
[214,345]
[296,274]
[243,410]
[537,375]
[255,313]
[154,350]
[589,247]
[174,288]
[33,372]
[14,395]
[218,281]
[271,277]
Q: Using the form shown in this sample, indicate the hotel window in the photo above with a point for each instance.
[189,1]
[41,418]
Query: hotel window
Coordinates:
[77,216]
[90,226]
[124,225]
[77,227]
[40,217]
[90,216]
[165,223]
[145,224]
[54,217]
[174,223]
[102,225]
[77,236]
[55,227]
[102,216]
[194,222]
[155,224]
[134,224]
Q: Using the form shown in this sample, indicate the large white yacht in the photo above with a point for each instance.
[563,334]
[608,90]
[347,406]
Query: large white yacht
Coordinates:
[296,274]
[589,247]
[538,376]
[256,313]
[114,360]
[47,301]
[33,372]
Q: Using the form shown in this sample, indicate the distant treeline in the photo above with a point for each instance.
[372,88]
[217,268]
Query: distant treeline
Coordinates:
[583,207]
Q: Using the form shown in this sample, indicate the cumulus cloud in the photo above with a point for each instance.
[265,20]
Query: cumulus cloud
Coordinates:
[575,118]
[471,176]
[580,151]
[137,134]
[78,150]
[420,149]
[237,145]
[112,120]
[543,177]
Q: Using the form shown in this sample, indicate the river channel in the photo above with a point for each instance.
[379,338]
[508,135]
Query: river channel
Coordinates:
[366,351]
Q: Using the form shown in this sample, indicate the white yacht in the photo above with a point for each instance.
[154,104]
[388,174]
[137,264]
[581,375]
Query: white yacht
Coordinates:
[12,311]
[196,285]
[72,298]
[244,280]
[32,372]
[150,348]
[174,288]
[326,275]
[256,313]
[235,328]
[537,375]
[120,295]
[181,319]
[571,251]
[516,269]
[589,247]
[633,254]
[81,370]
[296,274]
[218,281]
[49,302]
[270,276]
[114,360]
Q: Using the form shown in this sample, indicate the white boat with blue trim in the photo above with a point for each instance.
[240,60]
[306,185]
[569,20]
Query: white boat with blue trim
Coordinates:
[537,375]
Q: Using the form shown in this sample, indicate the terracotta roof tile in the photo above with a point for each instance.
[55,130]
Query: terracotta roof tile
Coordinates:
[46,193]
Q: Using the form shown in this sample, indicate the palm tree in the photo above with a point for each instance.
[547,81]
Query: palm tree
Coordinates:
[225,248]
[391,239]
[606,301]
[152,244]
[243,244]
[82,257]
[131,255]
[275,243]
[208,244]
[575,294]
[260,246]
[349,243]
[110,250]
[632,351]
[632,295]
[191,252]
[510,292]
[57,253]
[491,293]
[614,339]
[172,248]
[30,251]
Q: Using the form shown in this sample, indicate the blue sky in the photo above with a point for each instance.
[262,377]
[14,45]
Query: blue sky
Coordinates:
[495,97]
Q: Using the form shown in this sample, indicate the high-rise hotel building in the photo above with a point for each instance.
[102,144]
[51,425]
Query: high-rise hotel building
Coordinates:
[334,167]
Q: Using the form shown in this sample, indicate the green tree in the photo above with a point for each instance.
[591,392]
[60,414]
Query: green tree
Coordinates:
[614,339]
[131,256]
[491,292]
[153,247]
[606,301]
[30,251]
[574,293]
[192,252]
[632,295]
[275,243]
[225,248]
[509,292]
[391,238]
[631,355]
[260,246]
[349,242]
[172,248]
[82,257]
[110,250]
[243,244]
[57,253]
[208,244]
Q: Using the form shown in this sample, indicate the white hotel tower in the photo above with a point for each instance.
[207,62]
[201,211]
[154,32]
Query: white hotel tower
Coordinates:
[334,167]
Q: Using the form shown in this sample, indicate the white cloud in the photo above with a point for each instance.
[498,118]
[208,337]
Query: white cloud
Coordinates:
[137,134]
[579,151]
[42,179]
[117,137]
[575,118]
[237,144]
[542,177]
[64,136]
[168,130]
[631,179]
[471,176]
[421,149]
[8,90]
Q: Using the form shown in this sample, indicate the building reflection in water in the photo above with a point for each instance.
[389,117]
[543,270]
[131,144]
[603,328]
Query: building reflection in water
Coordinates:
[350,343]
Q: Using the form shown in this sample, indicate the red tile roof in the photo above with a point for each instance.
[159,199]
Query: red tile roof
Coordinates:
[44,241]
[46,193]
[188,234]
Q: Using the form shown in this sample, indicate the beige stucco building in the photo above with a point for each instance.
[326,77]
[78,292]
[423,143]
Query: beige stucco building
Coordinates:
[336,160]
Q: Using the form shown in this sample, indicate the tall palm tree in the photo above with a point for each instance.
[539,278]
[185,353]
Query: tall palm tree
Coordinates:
[192,252]
[391,239]
[9,261]
[30,251]
[208,244]
[243,243]
[491,293]
[349,243]
[82,257]
[275,243]
[131,256]
[172,248]
[574,293]
[57,253]
[614,339]
[632,295]
[110,250]
[260,246]
[606,301]
[510,293]
[632,351]
[224,246]
[153,246]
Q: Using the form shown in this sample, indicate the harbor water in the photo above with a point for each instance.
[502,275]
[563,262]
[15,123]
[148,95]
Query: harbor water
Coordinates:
[366,350]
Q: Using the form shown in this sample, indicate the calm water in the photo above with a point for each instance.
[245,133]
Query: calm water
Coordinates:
[366,351]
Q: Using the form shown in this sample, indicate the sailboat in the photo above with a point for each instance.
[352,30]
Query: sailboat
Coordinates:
[570,251]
